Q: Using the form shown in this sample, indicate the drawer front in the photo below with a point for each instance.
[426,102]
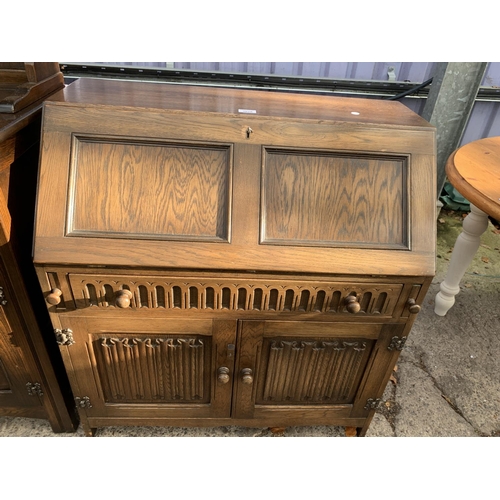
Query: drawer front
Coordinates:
[223,294]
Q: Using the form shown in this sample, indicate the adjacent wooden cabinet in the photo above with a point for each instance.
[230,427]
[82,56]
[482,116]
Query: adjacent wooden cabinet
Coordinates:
[33,382]
[220,256]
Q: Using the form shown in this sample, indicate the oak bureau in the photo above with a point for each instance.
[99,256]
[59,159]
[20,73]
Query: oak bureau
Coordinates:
[214,256]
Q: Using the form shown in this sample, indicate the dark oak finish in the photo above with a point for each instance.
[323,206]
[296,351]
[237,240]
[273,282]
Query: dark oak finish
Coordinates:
[308,200]
[208,266]
[33,382]
[403,152]
[169,202]
[22,83]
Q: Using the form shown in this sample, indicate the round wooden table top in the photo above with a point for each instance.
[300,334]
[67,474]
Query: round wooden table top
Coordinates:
[474,171]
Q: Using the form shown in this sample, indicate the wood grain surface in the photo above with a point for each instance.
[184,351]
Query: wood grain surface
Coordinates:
[322,200]
[138,190]
[232,101]
[474,170]
[385,213]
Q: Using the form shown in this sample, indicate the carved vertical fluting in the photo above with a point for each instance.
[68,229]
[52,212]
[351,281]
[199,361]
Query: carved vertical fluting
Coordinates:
[183,360]
[269,387]
[336,377]
[319,372]
[283,366]
[335,361]
[306,368]
[117,368]
[124,368]
[143,379]
[157,376]
[347,373]
[295,354]
[196,371]
[129,370]
[172,367]
[108,367]
[311,371]
[138,372]
[149,363]
[150,370]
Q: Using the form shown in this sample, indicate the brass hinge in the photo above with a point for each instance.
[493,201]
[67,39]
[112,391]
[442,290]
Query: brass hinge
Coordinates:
[397,344]
[3,301]
[64,337]
[83,402]
[34,389]
[372,404]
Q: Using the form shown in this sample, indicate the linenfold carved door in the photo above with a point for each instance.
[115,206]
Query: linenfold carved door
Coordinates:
[151,367]
[15,377]
[293,367]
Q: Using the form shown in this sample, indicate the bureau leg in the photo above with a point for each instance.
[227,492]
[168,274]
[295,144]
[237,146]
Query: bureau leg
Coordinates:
[351,432]
[474,225]
[89,431]
[278,431]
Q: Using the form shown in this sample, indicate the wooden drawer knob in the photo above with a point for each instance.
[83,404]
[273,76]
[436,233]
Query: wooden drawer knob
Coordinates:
[223,375]
[54,297]
[247,376]
[352,305]
[413,307]
[123,298]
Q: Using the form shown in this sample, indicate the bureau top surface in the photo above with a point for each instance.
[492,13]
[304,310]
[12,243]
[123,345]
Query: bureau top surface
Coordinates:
[236,102]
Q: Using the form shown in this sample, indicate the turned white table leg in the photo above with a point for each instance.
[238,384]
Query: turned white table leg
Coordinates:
[475,224]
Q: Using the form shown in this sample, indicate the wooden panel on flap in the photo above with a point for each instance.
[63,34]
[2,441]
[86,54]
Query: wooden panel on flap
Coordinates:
[332,199]
[154,190]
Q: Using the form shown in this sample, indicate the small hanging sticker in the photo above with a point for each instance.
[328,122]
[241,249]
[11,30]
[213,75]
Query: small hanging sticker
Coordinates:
[248,111]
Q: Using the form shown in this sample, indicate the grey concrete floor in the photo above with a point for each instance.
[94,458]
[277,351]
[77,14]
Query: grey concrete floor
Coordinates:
[447,381]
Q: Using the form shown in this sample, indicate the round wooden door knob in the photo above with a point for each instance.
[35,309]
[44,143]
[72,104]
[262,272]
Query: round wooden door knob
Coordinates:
[247,376]
[352,305]
[54,297]
[223,375]
[123,298]
[413,307]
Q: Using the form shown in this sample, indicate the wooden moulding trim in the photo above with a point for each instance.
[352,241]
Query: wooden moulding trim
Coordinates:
[28,93]
[263,258]
[270,421]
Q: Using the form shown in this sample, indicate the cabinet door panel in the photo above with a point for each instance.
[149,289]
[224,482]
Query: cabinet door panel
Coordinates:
[298,366]
[14,371]
[305,371]
[167,369]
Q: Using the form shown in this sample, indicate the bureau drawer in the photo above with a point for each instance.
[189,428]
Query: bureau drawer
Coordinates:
[219,294]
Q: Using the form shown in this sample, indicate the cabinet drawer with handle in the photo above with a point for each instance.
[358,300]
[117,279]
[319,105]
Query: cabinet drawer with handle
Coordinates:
[219,294]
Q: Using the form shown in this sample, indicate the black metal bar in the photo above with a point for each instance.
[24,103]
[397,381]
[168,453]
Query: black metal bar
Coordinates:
[359,88]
